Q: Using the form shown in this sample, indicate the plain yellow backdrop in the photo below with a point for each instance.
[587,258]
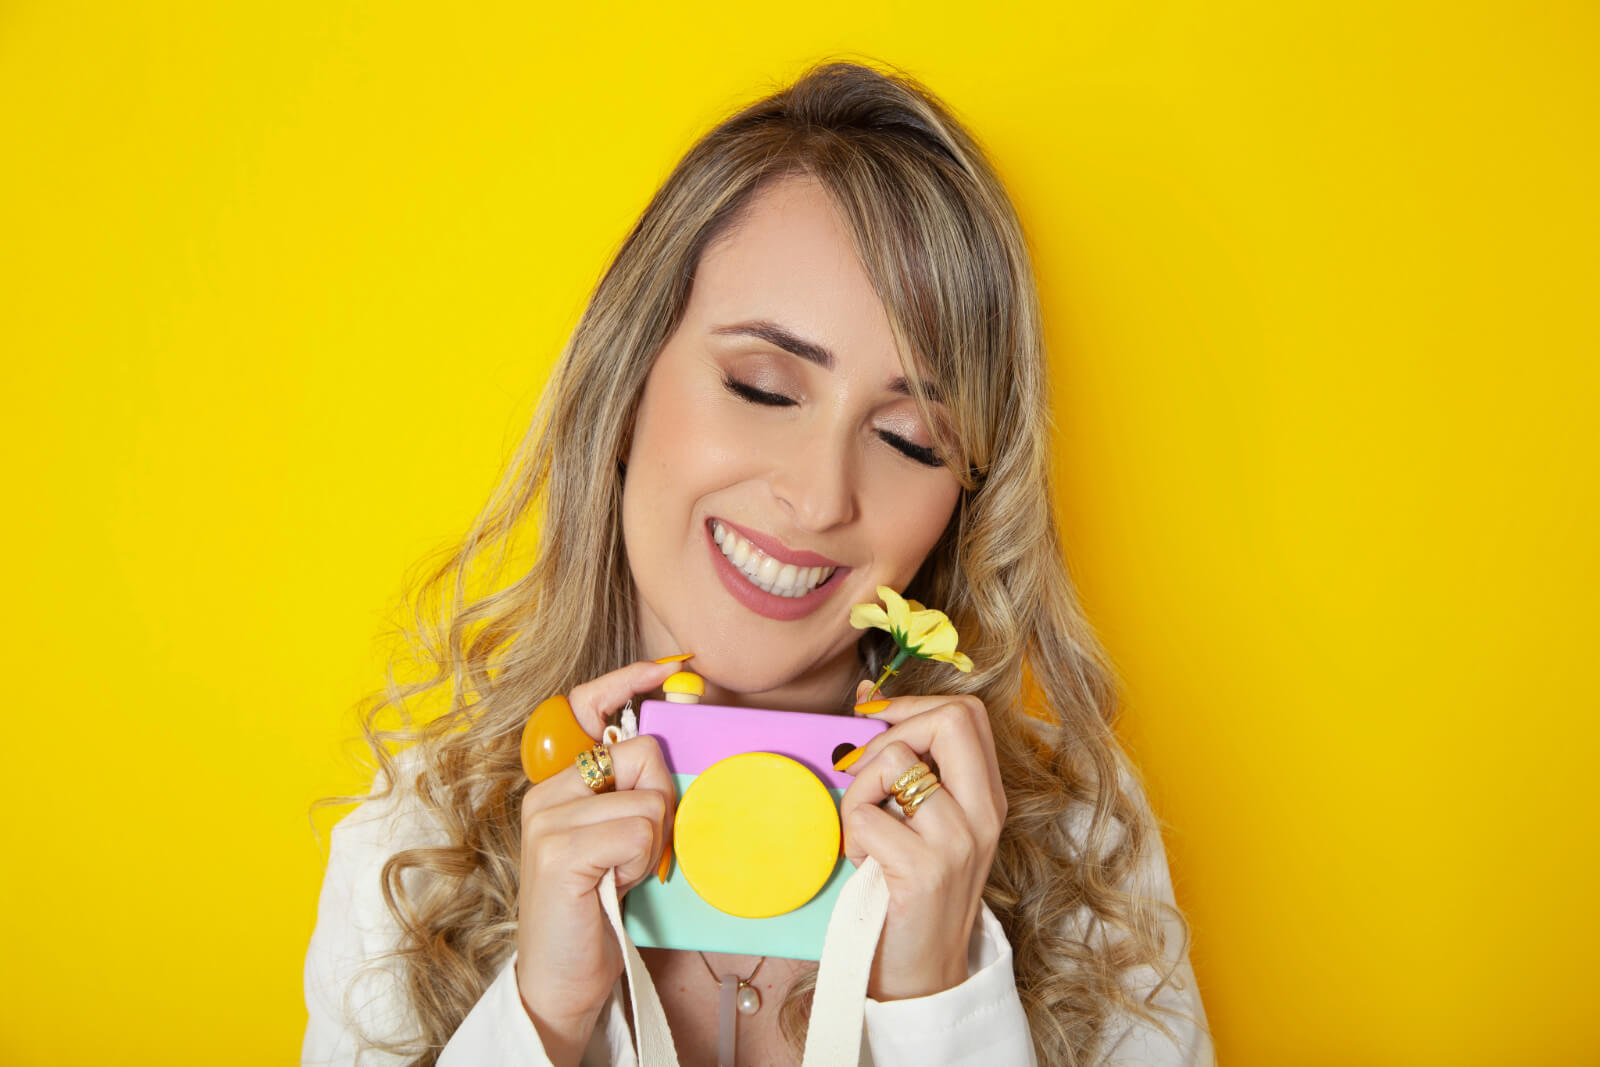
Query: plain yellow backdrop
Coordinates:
[279,284]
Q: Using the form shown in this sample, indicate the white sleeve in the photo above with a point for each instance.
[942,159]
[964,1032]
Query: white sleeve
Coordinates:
[979,1022]
[346,999]
[1134,1042]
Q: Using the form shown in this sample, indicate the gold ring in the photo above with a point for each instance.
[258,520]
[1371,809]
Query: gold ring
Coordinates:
[598,772]
[922,786]
[915,771]
[913,787]
[910,806]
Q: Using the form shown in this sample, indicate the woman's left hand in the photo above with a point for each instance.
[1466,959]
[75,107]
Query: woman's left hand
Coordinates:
[937,863]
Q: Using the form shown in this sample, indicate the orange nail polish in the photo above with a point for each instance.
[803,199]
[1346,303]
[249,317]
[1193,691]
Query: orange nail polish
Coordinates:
[849,759]
[665,865]
[872,707]
[675,659]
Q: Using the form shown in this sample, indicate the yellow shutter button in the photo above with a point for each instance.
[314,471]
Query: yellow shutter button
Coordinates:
[756,835]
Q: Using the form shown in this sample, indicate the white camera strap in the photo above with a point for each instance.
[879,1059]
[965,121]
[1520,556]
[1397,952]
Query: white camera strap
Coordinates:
[839,1005]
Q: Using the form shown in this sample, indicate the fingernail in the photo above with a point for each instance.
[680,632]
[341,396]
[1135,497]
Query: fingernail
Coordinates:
[872,707]
[665,866]
[679,658]
[849,759]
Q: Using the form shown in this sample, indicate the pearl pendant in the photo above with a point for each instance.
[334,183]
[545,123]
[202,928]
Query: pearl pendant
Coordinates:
[749,999]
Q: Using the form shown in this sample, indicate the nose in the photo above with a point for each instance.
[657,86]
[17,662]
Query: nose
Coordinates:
[817,482]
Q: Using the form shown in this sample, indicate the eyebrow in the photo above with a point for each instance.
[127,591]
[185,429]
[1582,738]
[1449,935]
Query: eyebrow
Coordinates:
[779,337]
[770,332]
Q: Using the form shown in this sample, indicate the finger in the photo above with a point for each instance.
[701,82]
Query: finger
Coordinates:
[939,818]
[875,774]
[637,763]
[898,709]
[648,804]
[591,811]
[871,831]
[954,732]
[578,857]
[594,700]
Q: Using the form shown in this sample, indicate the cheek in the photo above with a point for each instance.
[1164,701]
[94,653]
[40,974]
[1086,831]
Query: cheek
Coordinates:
[686,445]
[918,511]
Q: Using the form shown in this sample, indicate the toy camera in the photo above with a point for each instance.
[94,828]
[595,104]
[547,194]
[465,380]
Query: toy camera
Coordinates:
[757,863]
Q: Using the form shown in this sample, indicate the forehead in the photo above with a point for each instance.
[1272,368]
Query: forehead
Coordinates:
[790,260]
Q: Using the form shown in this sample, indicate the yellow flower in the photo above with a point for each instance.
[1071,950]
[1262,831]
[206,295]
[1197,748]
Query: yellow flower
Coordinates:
[917,631]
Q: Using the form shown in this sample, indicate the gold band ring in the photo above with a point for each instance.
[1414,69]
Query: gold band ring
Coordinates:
[912,773]
[910,806]
[916,785]
[598,772]
[922,786]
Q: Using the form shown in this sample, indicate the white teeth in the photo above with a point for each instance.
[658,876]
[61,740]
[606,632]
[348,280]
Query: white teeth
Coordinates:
[784,583]
[764,572]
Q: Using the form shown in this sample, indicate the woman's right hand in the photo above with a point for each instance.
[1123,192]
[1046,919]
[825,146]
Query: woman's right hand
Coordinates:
[567,956]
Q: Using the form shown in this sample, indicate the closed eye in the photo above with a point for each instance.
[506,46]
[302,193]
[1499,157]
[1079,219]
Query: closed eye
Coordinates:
[921,453]
[756,396]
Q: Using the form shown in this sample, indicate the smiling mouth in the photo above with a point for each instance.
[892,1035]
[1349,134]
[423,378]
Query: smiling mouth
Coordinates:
[763,571]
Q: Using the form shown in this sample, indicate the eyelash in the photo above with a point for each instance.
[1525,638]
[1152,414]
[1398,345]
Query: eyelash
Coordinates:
[757,396]
[749,393]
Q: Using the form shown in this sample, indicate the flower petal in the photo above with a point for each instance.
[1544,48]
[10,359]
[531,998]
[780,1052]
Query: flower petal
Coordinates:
[899,614]
[923,623]
[939,642]
[863,616]
[958,660]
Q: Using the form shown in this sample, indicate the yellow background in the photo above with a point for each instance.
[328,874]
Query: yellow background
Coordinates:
[279,283]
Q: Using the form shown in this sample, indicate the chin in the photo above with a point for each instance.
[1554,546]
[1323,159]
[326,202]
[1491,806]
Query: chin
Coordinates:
[749,674]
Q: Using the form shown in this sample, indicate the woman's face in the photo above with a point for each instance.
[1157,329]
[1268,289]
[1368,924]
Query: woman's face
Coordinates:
[779,471]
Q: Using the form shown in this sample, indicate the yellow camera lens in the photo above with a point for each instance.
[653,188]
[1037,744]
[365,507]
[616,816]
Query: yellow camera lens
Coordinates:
[756,835]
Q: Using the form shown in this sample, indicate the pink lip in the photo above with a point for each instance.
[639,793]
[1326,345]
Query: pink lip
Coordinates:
[778,550]
[782,608]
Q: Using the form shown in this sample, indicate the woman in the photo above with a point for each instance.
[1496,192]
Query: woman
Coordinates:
[819,347]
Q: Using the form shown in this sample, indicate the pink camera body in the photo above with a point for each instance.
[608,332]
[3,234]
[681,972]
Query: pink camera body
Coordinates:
[756,839]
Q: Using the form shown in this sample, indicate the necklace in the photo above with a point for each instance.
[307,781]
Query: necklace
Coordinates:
[748,997]
[738,998]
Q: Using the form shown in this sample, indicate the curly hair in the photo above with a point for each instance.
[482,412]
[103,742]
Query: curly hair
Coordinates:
[537,595]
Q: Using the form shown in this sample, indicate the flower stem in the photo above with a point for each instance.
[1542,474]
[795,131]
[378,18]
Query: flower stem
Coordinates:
[893,667]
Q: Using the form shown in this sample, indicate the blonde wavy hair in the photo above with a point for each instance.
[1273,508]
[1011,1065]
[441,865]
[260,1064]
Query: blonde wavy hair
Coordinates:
[537,597]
